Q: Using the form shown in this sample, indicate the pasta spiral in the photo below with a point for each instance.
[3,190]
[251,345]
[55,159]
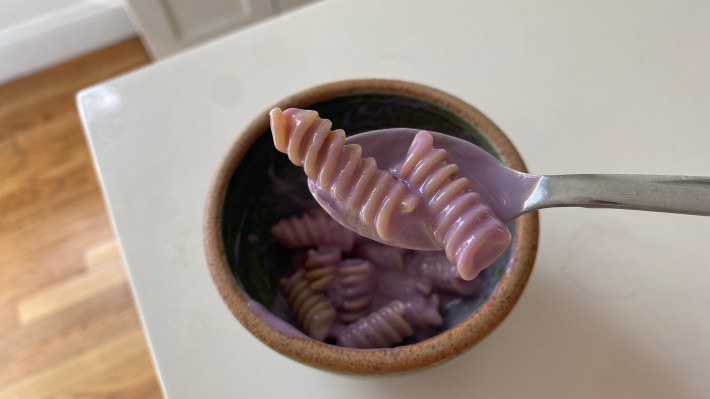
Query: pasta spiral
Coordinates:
[381,256]
[382,328]
[319,230]
[374,195]
[423,312]
[442,274]
[313,311]
[320,268]
[468,231]
[353,289]
[464,227]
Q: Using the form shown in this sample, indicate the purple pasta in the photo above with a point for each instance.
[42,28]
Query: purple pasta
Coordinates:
[382,328]
[423,312]
[442,274]
[393,284]
[309,231]
[313,311]
[320,267]
[374,195]
[423,193]
[380,255]
[352,291]
[463,225]
[371,302]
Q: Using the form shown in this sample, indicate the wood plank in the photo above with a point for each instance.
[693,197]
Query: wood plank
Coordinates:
[50,201]
[45,153]
[40,252]
[102,253]
[108,370]
[60,271]
[53,199]
[63,335]
[12,160]
[8,318]
[32,100]
[70,291]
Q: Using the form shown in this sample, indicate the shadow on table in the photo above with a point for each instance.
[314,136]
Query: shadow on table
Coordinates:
[550,346]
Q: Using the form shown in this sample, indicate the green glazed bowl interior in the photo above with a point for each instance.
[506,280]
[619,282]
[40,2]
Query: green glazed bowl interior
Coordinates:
[257,186]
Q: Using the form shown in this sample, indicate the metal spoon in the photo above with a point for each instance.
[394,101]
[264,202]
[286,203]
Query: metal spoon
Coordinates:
[510,193]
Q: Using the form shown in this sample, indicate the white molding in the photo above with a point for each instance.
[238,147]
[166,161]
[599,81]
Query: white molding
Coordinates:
[55,37]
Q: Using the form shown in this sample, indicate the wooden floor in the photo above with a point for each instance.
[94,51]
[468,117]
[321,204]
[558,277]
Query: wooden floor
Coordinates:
[68,324]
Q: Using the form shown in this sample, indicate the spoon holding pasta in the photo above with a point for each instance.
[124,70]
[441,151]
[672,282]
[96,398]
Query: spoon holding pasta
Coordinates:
[430,191]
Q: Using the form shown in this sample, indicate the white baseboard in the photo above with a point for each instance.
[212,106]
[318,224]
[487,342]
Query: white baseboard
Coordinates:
[56,37]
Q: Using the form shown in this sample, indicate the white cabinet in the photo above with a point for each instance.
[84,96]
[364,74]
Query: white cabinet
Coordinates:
[168,26]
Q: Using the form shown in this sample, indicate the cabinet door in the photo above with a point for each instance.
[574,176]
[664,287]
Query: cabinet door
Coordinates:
[168,26]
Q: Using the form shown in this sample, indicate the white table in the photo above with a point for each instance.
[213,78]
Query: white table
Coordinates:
[617,305]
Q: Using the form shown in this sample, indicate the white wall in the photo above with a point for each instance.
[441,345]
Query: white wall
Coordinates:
[35,34]
[17,12]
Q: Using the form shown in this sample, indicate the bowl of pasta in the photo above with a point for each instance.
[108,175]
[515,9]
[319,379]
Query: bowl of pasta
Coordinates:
[326,297]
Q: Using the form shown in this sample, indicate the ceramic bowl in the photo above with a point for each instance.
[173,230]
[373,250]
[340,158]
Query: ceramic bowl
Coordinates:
[242,206]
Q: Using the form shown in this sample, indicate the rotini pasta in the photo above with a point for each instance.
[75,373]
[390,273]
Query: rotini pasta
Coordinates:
[313,311]
[382,256]
[442,274]
[373,194]
[395,284]
[423,312]
[353,289]
[467,230]
[320,267]
[308,231]
[464,227]
[382,328]
[373,302]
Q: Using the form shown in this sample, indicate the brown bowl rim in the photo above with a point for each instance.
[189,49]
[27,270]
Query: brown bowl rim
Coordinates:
[444,346]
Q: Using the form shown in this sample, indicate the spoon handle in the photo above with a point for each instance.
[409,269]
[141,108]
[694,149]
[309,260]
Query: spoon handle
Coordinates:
[671,194]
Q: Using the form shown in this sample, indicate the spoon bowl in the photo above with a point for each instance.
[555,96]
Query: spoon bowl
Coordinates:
[509,193]
[502,189]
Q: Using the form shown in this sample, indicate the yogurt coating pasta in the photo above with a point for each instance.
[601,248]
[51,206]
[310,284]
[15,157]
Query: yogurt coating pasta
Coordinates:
[370,296]
[422,199]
